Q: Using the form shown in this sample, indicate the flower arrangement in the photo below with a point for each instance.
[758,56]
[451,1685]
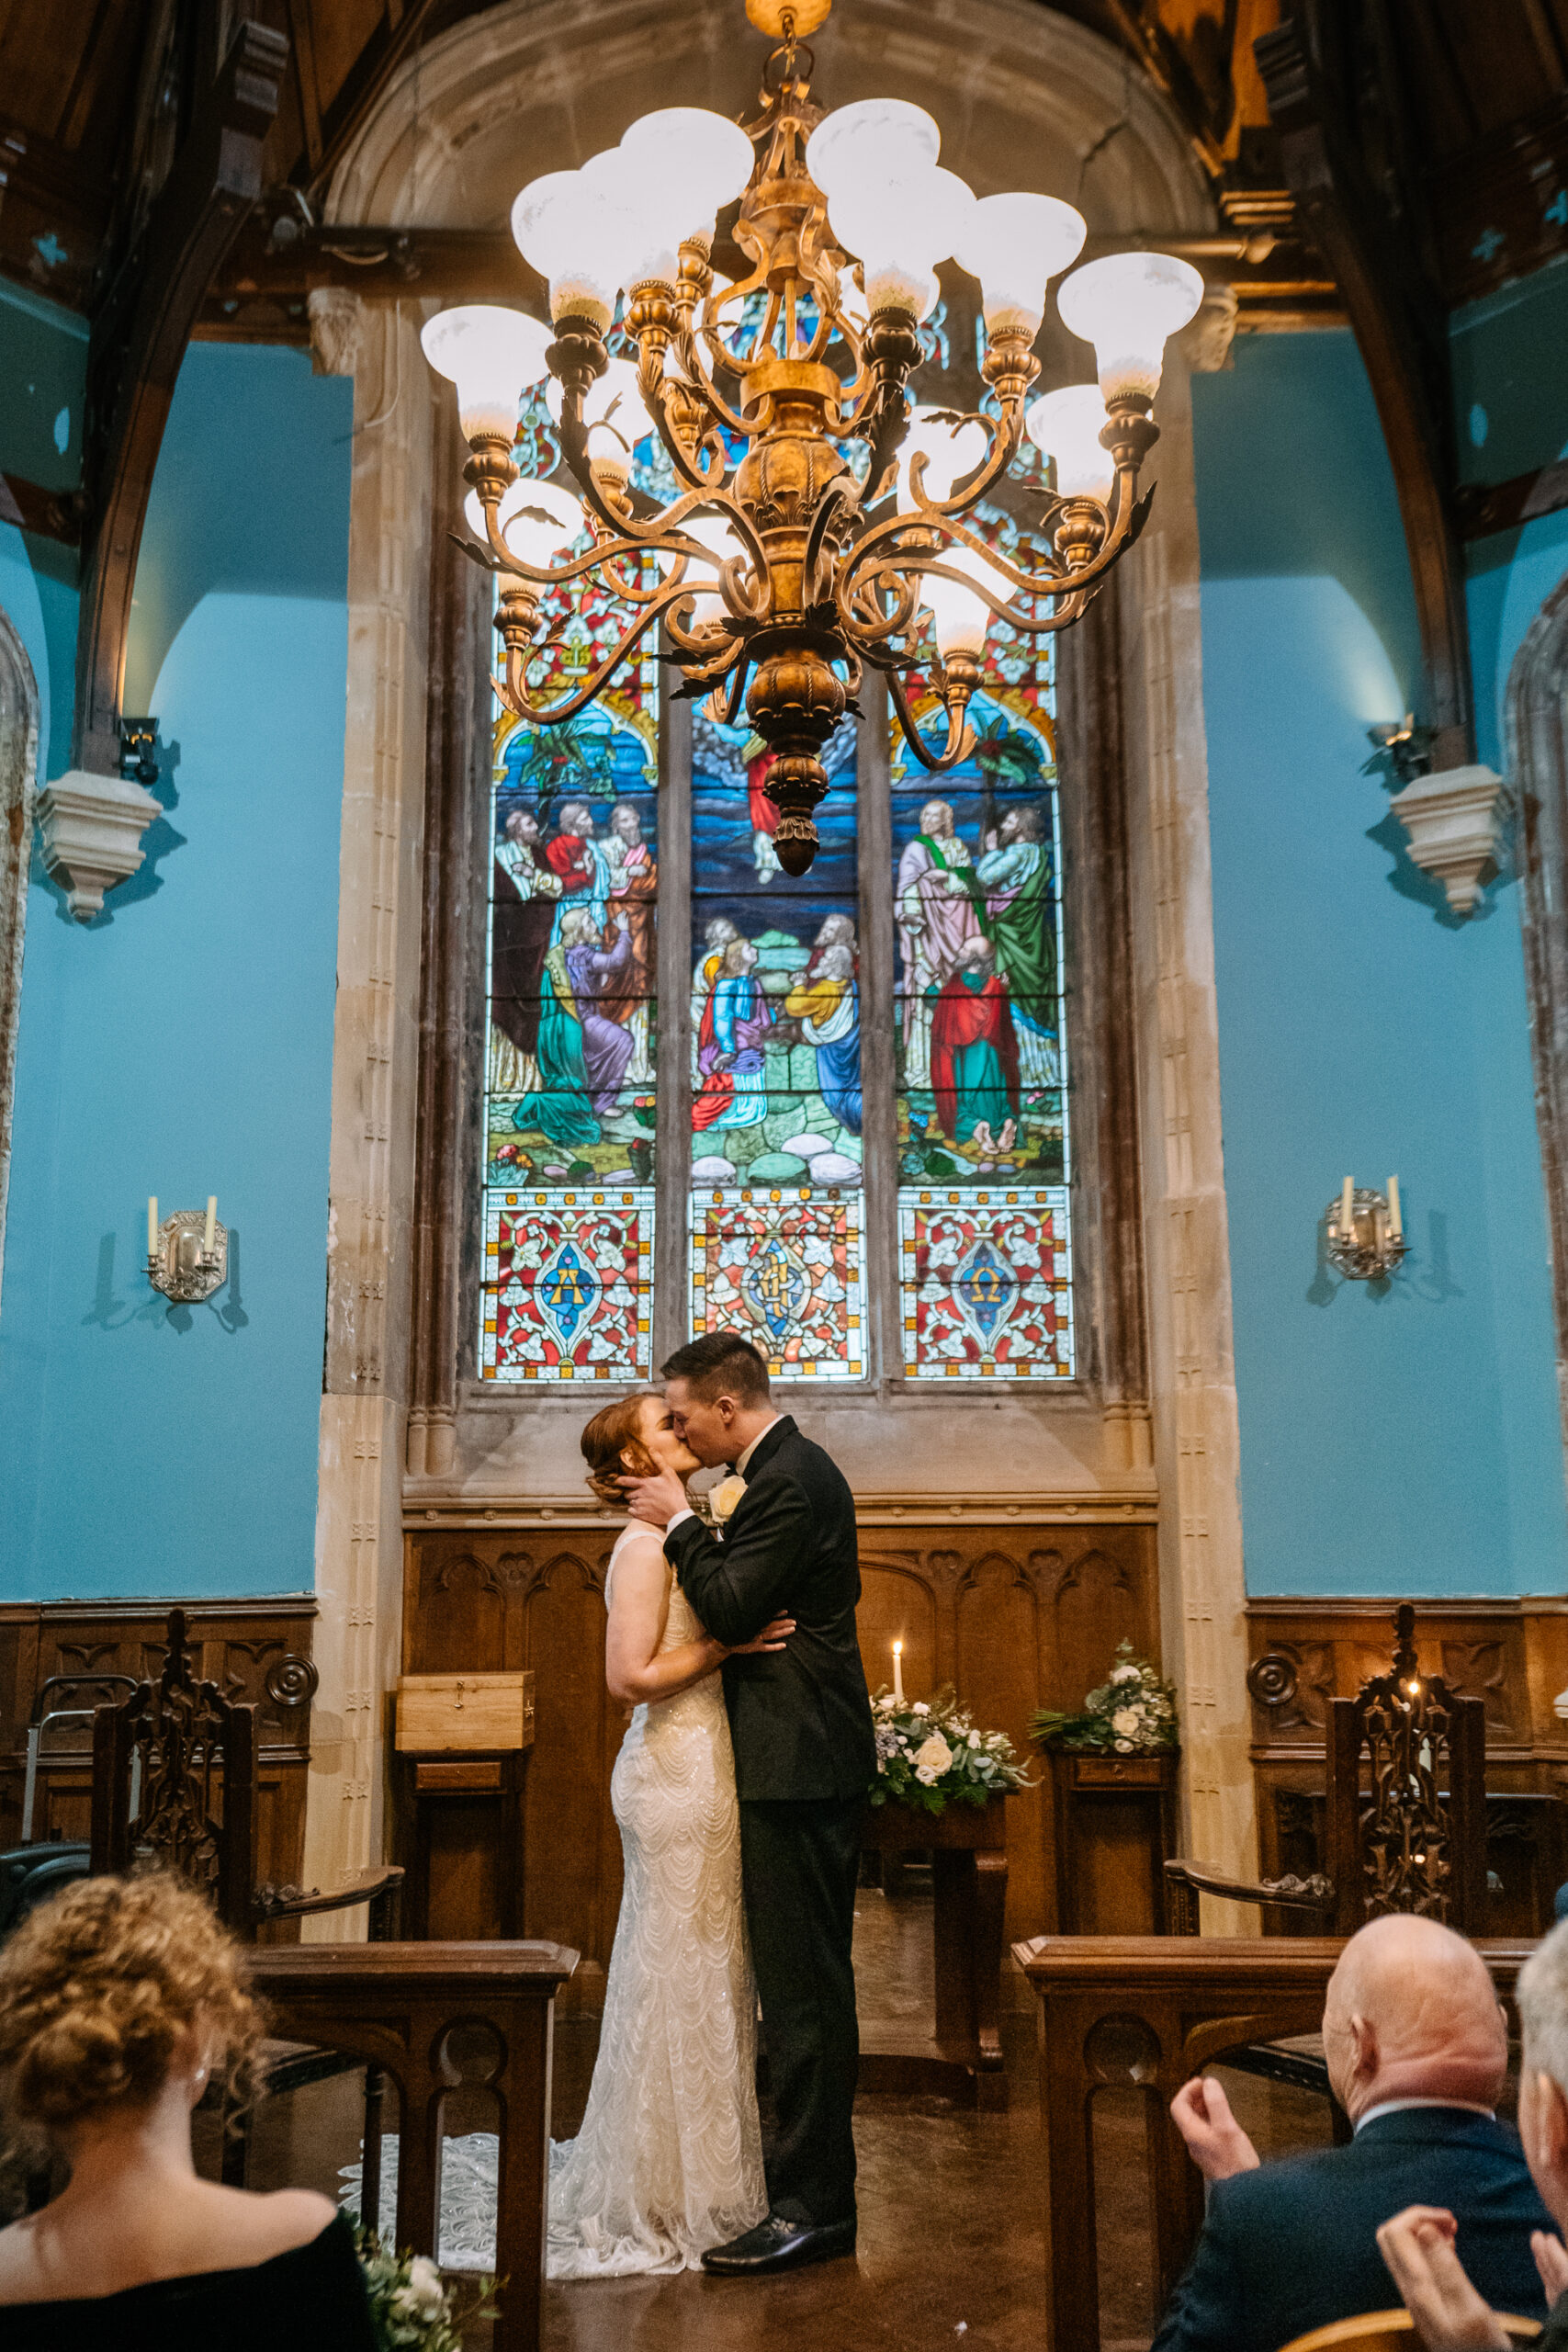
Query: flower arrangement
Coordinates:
[1132,1713]
[929,1755]
[410,2310]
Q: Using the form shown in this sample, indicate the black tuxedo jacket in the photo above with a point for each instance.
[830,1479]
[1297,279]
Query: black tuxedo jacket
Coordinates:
[1293,2245]
[799,1717]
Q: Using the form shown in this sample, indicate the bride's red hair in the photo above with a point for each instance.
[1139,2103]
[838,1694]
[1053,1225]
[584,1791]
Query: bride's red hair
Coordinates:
[613,1447]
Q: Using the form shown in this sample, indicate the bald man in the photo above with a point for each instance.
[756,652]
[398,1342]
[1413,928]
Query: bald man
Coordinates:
[1416,2054]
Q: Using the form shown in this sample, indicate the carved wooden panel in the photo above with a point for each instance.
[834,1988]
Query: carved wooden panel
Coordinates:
[254,1649]
[1015,1618]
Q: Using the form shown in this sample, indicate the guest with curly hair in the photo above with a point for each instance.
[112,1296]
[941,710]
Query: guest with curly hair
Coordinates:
[119,2001]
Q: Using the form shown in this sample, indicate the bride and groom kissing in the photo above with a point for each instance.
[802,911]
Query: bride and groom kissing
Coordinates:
[738,1790]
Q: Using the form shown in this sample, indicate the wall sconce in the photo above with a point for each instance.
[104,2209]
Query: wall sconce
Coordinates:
[1366,1231]
[187,1255]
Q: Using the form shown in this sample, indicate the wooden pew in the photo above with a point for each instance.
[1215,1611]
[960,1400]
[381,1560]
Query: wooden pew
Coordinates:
[394,2005]
[1149,2012]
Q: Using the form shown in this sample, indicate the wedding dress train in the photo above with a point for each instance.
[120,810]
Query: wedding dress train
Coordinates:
[669,2160]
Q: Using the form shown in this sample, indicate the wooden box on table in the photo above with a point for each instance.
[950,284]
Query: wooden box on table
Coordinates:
[1115,1825]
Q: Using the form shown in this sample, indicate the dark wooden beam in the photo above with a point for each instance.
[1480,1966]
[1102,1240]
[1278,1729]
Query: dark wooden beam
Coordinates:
[46,513]
[139,339]
[54,212]
[1487,508]
[1400,327]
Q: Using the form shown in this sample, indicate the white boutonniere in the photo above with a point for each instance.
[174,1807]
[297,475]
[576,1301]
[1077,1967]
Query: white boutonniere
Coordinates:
[724,1497]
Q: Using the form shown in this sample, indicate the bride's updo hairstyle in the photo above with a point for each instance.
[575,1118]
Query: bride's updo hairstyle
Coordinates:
[609,1435]
[100,1986]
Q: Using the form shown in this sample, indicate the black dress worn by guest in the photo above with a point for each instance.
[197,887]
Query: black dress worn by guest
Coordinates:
[804,1757]
[1293,2245]
[311,2299]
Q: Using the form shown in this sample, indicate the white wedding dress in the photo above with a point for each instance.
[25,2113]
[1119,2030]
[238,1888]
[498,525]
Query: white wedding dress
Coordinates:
[669,2160]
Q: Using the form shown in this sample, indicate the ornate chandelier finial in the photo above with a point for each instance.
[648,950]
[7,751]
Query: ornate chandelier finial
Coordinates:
[819,523]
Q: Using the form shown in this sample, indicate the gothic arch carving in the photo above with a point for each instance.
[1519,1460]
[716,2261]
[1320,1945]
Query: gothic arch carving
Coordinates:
[1536,716]
[19,791]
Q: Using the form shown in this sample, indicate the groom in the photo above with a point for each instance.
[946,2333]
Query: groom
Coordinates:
[804,1757]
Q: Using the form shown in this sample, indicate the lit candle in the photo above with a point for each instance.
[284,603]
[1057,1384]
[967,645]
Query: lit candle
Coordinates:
[1396,1222]
[152,1225]
[898,1673]
[1347,1212]
[210,1236]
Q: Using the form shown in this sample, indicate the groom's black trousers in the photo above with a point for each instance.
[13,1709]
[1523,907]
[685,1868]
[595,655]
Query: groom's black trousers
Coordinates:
[800,1862]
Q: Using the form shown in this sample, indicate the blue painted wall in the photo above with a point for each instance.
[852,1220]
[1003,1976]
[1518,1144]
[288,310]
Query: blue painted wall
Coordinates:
[1408,1440]
[182,1043]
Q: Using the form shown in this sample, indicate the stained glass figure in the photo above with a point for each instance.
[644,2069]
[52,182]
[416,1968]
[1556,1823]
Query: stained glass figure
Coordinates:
[572,1039]
[776,1108]
[980,1045]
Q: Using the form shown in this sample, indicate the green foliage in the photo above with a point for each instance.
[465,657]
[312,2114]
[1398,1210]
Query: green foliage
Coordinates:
[928,1755]
[1132,1713]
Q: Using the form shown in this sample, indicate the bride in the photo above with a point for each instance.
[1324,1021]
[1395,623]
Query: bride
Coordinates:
[669,2160]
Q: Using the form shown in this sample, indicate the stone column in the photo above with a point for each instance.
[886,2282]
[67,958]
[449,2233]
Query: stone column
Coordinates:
[365,1388]
[1193,1377]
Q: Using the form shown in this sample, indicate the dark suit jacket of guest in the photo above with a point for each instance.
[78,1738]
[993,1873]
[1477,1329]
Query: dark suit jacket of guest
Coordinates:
[1293,2245]
[799,1717]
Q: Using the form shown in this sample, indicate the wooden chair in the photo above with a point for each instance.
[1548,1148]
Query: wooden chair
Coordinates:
[1405,1818]
[175,1784]
[1390,2331]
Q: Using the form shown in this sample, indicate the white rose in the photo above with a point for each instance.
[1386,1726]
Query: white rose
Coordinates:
[1123,1674]
[932,1760]
[424,2297]
[1124,1722]
[974,1739]
[1123,1748]
[920,1708]
[724,1497]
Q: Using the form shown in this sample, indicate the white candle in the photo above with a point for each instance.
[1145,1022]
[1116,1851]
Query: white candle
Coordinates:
[1347,1212]
[210,1236]
[898,1673]
[152,1225]
[1395,1223]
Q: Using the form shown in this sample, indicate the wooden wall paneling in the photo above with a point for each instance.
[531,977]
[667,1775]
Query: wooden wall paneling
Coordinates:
[238,1645]
[1015,1618]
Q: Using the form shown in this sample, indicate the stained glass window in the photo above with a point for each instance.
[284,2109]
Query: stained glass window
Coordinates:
[569,1102]
[777,1207]
[980,1045]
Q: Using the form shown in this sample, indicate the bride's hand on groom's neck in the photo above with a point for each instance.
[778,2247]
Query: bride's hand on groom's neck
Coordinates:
[656,1499]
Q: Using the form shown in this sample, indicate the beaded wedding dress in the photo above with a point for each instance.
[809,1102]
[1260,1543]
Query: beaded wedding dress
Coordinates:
[669,2160]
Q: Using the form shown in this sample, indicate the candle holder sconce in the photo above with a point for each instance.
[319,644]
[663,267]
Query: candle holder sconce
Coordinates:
[1366,1232]
[181,1266]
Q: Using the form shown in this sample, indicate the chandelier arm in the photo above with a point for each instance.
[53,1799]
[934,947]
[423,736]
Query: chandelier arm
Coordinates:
[704,662]
[519,656]
[960,734]
[1069,589]
[698,477]
[691,359]
[873,625]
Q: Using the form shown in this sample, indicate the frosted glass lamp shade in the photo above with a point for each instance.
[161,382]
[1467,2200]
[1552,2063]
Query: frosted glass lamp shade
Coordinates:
[959,618]
[901,229]
[712,532]
[1066,425]
[574,230]
[613,410]
[1127,305]
[1014,246]
[692,163]
[491,354]
[951,451]
[537,519]
[875,139]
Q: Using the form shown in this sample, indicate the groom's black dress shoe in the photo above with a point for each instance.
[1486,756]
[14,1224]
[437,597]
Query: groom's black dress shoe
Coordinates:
[780,2245]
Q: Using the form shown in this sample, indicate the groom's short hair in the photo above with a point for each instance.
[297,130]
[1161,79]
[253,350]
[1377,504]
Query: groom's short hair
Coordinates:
[721,1363]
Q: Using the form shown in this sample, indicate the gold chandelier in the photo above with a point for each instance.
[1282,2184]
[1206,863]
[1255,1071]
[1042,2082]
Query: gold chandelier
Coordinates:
[782,570]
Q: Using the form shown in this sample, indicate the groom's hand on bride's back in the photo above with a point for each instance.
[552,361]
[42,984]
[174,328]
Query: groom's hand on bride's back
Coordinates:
[774,1636]
[657,1499]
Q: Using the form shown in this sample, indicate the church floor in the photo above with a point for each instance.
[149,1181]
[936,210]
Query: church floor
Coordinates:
[950,2201]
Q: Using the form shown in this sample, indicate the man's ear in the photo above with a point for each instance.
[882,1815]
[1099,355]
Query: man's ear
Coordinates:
[1364,2045]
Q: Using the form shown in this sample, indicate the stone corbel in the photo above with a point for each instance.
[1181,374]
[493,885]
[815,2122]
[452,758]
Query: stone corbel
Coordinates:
[1207,341]
[1455,821]
[90,828]
[337,320]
